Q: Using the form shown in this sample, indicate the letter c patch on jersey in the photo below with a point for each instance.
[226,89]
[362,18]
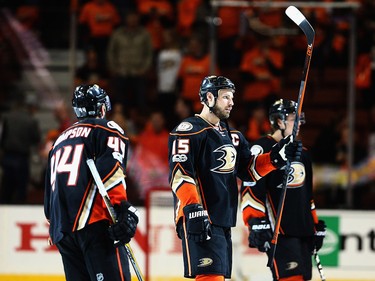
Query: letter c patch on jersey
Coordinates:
[226,156]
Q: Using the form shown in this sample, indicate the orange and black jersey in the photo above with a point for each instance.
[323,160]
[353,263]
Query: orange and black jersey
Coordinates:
[261,198]
[71,200]
[204,164]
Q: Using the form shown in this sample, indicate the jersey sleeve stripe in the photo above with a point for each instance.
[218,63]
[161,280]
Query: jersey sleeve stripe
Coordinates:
[251,206]
[83,214]
[190,134]
[187,194]
[313,212]
[114,176]
[261,165]
[178,177]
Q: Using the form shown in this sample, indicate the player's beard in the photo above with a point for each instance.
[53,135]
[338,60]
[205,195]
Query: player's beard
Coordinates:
[220,113]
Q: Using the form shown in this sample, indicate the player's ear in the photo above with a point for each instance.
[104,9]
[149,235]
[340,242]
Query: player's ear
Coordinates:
[102,111]
[210,99]
[281,124]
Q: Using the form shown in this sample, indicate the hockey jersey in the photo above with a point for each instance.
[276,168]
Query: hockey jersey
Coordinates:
[261,198]
[204,162]
[71,198]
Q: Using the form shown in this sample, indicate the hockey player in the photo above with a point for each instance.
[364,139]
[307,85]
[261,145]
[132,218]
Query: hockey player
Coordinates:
[300,231]
[205,157]
[79,221]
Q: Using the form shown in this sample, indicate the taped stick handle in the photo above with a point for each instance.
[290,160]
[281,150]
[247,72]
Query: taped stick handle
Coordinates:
[319,265]
[111,210]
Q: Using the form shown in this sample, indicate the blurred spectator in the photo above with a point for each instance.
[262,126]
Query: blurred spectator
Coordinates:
[258,124]
[117,114]
[100,17]
[195,65]
[155,135]
[183,109]
[63,117]
[28,14]
[149,161]
[228,36]
[331,144]
[359,150]
[187,15]
[154,25]
[129,60]
[265,20]
[10,67]
[261,68]
[162,8]
[156,15]
[371,136]
[167,66]
[323,150]
[20,133]
[91,72]
[365,79]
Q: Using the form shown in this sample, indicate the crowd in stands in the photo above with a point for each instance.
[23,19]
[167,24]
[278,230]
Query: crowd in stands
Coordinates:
[151,55]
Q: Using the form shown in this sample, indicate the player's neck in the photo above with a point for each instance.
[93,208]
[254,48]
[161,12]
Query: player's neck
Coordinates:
[277,136]
[207,115]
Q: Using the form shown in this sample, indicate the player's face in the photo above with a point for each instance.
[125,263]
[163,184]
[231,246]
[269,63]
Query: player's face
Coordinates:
[224,104]
[290,123]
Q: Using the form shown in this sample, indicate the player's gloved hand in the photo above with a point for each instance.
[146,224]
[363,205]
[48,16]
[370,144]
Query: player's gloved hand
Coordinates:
[320,234]
[260,234]
[293,151]
[285,150]
[198,226]
[124,228]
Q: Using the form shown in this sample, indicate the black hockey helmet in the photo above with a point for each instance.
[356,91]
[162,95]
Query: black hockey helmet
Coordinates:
[88,100]
[280,109]
[213,84]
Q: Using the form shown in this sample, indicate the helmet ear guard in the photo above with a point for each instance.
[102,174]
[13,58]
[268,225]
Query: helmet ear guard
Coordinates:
[88,101]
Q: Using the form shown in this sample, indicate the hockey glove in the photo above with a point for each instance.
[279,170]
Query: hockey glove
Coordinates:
[124,228]
[285,150]
[320,234]
[293,151]
[260,234]
[198,226]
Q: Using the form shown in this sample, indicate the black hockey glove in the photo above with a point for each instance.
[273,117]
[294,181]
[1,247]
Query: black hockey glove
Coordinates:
[293,151]
[198,226]
[260,234]
[285,150]
[320,234]
[124,228]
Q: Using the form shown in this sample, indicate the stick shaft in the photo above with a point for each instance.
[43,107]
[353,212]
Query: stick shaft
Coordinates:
[319,266]
[310,33]
[107,201]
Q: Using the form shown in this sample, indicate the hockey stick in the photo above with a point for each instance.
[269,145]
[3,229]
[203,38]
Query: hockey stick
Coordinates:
[298,18]
[319,265]
[111,210]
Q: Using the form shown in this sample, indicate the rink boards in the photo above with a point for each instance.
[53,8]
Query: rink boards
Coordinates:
[348,253]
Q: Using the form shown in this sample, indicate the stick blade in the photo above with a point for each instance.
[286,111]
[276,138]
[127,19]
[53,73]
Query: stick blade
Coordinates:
[295,15]
[299,19]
